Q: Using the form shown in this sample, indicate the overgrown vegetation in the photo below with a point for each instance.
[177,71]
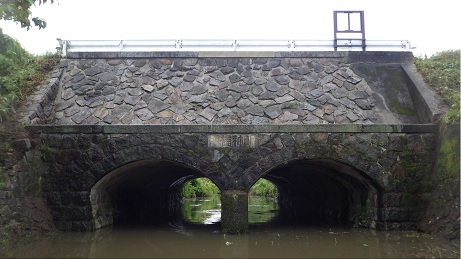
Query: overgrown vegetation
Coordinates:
[200,187]
[204,187]
[20,73]
[264,188]
[442,72]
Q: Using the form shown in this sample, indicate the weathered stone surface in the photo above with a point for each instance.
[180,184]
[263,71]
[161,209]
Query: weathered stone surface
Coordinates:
[272,86]
[157,106]
[93,71]
[273,150]
[273,111]
[22,145]
[255,110]
[148,88]
[288,116]
[208,113]
[282,80]
[395,168]
[299,84]
[284,99]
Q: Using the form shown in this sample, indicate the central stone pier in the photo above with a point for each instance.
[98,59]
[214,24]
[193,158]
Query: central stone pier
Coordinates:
[234,211]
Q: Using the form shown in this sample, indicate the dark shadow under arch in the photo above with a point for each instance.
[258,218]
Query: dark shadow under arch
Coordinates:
[320,192]
[140,193]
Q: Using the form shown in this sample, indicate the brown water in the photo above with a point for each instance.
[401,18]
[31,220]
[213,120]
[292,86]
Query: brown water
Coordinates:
[201,238]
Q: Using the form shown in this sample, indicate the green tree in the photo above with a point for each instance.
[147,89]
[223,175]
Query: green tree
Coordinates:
[200,187]
[264,188]
[19,11]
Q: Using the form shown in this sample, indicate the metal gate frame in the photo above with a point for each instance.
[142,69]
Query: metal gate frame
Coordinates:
[349,42]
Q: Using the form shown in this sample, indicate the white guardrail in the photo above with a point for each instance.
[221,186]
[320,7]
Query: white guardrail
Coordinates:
[68,46]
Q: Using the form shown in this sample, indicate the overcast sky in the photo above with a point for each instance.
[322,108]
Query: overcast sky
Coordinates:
[430,26]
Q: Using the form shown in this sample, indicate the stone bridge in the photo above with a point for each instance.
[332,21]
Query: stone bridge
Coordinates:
[347,137]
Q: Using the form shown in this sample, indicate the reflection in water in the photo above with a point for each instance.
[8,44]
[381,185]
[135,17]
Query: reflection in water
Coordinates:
[261,209]
[203,239]
[263,242]
[203,211]
[208,211]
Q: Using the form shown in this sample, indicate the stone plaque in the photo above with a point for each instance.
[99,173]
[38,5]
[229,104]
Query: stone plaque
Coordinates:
[232,140]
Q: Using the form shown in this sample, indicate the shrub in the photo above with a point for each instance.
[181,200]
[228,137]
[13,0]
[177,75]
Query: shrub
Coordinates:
[442,72]
[200,187]
[264,188]
[20,72]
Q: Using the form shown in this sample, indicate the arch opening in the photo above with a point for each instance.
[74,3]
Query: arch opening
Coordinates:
[324,193]
[141,193]
[262,202]
[201,202]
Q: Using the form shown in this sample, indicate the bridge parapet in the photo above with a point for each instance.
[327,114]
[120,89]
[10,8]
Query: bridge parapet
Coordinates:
[70,47]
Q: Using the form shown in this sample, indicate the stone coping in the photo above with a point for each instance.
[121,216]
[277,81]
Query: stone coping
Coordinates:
[244,129]
[350,56]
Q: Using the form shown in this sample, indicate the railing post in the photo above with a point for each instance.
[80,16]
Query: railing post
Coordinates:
[120,46]
[64,48]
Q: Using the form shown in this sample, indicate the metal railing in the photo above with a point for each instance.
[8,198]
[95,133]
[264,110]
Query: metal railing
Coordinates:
[68,46]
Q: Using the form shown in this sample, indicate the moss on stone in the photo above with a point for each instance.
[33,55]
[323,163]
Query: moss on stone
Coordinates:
[409,199]
[448,155]
[234,218]
[224,150]
[5,148]
[400,108]
[45,149]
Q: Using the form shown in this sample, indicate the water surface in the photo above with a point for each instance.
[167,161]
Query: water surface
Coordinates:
[200,237]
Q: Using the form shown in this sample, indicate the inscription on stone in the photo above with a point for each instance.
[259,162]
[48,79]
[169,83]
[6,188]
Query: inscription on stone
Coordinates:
[232,140]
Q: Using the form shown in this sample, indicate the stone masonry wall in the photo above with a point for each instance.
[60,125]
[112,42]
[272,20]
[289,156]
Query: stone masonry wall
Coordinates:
[399,165]
[243,91]
[442,216]
[23,211]
[216,91]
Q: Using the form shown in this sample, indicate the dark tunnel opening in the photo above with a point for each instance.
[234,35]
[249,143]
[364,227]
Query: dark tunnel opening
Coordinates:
[323,193]
[309,192]
[140,194]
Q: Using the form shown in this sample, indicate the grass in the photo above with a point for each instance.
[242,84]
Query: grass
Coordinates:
[20,73]
[442,73]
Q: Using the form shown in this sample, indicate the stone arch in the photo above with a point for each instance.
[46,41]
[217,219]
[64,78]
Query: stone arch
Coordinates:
[97,164]
[143,192]
[75,191]
[322,190]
